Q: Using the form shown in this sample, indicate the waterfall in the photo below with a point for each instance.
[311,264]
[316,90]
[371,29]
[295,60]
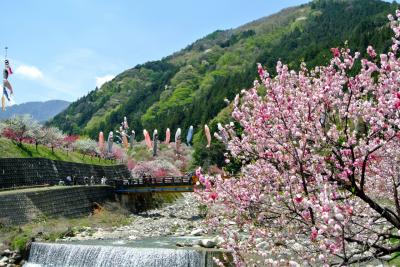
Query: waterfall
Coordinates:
[68,255]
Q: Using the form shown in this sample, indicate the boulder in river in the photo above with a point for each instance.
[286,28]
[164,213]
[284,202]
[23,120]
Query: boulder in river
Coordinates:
[197,232]
[207,243]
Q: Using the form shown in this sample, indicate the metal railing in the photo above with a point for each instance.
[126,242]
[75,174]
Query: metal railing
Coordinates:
[152,181]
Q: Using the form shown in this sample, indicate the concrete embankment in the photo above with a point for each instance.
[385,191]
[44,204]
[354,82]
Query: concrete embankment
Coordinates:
[26,205]
[22,206]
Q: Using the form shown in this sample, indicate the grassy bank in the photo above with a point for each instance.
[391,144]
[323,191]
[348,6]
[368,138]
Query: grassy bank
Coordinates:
[45,229]
[10,149]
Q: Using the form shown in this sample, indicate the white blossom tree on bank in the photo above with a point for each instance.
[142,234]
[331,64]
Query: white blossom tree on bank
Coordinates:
[53,137]
[87,147]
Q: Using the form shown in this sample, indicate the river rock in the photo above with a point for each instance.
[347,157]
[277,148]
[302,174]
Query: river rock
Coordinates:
[197,232]
[207,243]
[6,252]
[218,240]
[4,259]
[180,244]
[17,257]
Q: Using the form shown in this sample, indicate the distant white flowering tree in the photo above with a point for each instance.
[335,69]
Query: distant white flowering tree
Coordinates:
[53,137]
[87,147]
[19,128]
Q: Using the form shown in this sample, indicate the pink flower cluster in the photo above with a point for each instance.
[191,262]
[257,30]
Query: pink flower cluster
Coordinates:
[321,156]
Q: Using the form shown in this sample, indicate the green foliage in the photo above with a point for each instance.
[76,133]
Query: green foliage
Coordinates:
[205,157]
[110,215]
[188,87]
[140,152]
[10,149]
[18,242]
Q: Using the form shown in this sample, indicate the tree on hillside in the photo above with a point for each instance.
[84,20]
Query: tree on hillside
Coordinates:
[68,141]
[53,137]
[37,133]
[19,128]
[320,151]
[3,126]
[87,147]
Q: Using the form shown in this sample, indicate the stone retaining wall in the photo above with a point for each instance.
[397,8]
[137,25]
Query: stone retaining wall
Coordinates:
[23,206]
[15,172]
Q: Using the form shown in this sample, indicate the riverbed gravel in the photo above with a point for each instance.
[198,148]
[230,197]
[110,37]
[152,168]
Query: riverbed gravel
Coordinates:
[180,218]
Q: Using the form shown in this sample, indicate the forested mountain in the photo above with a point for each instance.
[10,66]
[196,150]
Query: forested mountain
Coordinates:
[40,111]
[189,87]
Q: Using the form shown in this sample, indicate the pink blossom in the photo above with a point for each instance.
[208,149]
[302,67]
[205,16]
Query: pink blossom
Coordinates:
[314,234]
[319,151]
[298,198]
[371,52]
[213,196]
[306,215]
[335,52]
[260,70]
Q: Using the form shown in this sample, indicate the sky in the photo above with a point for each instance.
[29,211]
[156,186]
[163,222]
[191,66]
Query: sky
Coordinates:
[63,49]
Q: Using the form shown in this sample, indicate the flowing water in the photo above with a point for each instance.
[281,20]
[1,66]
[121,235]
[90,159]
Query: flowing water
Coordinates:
[66,255]
[143,253]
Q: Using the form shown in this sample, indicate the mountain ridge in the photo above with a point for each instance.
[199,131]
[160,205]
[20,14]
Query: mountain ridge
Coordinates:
[41,111]
[188,87]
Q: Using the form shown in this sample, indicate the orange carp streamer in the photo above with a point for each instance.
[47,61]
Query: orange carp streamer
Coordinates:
[167,136]
[147,139]
[101,140]
[125,141]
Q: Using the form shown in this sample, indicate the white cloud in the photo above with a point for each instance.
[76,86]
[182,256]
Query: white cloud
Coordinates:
[30,72]
[103,79]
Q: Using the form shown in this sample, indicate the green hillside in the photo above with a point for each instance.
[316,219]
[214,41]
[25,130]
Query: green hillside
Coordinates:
[9,149]
[189,87]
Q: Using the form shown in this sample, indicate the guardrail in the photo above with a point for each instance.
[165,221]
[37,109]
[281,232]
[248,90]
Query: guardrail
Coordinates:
[152,181]
[154,184]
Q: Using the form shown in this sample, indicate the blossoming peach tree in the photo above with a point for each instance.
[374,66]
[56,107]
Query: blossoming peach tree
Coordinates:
[321,164]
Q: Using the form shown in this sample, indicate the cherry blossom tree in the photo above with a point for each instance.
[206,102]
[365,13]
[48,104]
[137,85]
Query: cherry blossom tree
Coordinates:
[37,134]
[87,147]
[19,128]
[69,141]
[53,137]
[320,153]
